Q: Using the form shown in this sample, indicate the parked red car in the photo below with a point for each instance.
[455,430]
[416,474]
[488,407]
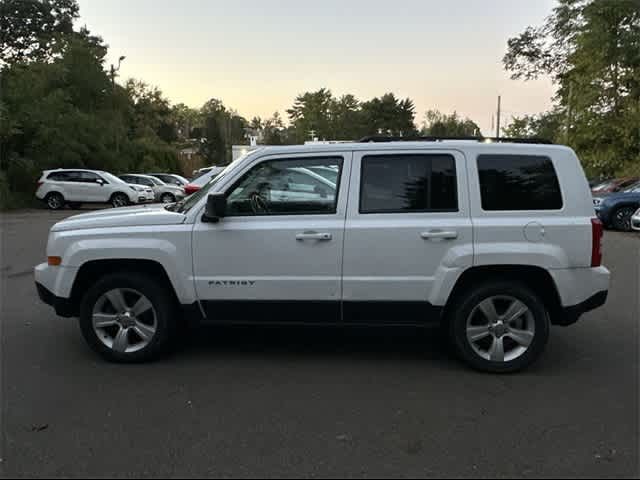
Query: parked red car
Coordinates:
[613,186]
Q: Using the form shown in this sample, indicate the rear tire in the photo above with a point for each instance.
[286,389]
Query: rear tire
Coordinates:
[622,218]
[55,201]
[499,327]
[119,200]
[128,318]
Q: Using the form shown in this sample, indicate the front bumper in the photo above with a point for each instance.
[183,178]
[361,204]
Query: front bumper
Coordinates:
[62,306]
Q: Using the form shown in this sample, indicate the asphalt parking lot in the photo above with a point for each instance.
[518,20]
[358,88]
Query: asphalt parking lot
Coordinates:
[306,402]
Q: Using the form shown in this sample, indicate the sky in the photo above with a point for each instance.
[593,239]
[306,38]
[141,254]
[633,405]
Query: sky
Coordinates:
[257,56]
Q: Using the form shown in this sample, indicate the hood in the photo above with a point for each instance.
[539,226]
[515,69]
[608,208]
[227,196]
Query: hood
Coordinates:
[136,216]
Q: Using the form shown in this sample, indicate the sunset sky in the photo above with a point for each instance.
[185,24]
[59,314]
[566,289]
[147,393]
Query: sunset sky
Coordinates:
[257,56]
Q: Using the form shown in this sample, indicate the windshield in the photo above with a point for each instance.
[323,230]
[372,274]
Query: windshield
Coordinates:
[155,180]
[111,178]
[635,188]
[188,203]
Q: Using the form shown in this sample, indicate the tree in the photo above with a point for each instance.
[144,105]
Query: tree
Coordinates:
[591,50]
[388,115]
[346,118]
[35,30]
[310,114]
[547,126]
[438,124]
[213,147]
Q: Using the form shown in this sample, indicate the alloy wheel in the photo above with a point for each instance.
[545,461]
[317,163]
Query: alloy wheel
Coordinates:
[622,218]
[500,328]
[124,320]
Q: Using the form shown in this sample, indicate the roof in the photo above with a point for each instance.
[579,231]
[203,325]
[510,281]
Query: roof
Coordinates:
[462,145]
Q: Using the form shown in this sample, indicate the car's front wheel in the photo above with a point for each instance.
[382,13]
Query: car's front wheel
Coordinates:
[128,317]
[499,327]
[119,200]
[622,218]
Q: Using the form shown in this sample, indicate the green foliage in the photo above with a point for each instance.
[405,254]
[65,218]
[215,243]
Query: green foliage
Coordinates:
[319,114]
[438,124]
[591,49]
[35,30]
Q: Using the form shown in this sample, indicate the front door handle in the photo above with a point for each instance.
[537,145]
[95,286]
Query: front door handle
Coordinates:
[439,235]
[322,237]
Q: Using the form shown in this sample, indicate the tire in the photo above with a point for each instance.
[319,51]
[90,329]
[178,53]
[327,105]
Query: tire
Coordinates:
[531,328]
[167,198]
[119,200]
[75,206]
[145,334]
[621,219]
[55,201]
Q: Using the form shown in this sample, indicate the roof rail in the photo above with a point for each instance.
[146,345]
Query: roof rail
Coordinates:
[385,139]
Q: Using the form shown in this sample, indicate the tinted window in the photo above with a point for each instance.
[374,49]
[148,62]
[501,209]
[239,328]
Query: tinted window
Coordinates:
[408,183]
[60,176]
[285,187]
[128,179]
[518,182]
[87,177]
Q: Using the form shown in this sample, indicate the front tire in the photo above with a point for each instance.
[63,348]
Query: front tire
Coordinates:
[499,327]
[119,200]
[128,318]
[622,218]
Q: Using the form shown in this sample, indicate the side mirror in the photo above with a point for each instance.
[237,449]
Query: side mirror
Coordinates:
[100,182]
[216,208]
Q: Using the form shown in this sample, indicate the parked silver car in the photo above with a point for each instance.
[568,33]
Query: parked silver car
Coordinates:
[170,178]
[163,193]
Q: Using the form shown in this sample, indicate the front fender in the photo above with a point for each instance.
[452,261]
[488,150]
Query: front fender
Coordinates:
[175,259]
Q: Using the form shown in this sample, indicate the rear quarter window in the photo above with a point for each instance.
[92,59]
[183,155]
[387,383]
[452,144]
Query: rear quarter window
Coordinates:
[518,182]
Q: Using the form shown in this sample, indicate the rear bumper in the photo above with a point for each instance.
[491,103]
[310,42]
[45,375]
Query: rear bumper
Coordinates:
[573,314]
[62,306]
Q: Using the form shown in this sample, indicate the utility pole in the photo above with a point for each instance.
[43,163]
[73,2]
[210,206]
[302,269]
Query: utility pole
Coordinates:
[114,74]
[498,121]
[569,113]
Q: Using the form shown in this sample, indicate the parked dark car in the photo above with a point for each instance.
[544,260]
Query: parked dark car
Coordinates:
[615,210]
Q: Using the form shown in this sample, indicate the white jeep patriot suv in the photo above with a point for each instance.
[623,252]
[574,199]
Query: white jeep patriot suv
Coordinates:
[495,241]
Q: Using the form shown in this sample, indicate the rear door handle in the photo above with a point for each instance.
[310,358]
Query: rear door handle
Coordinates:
[322,237]
[439,235]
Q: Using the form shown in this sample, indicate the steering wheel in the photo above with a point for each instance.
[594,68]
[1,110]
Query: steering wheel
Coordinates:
[258,203]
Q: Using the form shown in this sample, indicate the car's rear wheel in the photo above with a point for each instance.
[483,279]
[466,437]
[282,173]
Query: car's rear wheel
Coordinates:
[55,201]
[622,218]
[168,198]
[128,318]
[119,200]
[499,327]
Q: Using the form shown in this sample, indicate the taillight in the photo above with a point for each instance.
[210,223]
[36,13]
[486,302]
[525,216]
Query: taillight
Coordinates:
[597,232]
[40,182]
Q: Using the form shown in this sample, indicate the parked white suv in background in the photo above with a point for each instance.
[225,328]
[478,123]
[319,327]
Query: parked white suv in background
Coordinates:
[74,187]
[494,241]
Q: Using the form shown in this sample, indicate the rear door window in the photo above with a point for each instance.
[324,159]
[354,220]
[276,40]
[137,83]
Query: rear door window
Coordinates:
[405,183]
[518,182]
